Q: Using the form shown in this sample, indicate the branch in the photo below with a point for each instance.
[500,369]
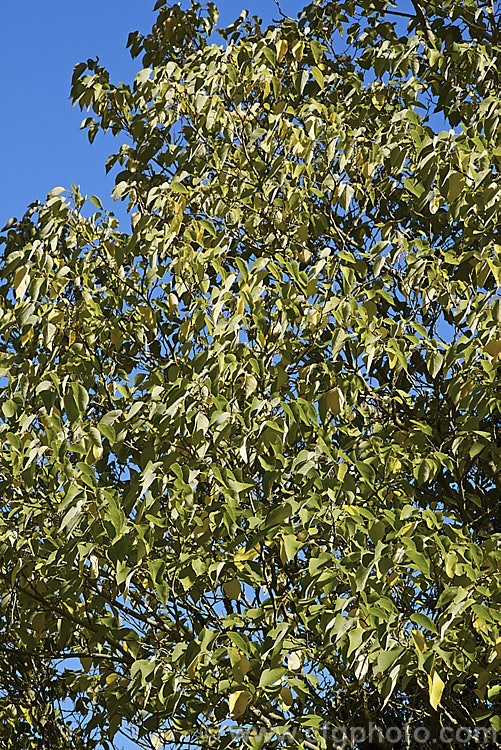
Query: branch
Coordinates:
[425,24]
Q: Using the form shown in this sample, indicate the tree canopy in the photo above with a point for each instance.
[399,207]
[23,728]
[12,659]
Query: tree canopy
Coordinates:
[251,449]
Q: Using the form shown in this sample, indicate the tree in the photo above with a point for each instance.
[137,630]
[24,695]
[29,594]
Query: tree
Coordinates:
[251,447]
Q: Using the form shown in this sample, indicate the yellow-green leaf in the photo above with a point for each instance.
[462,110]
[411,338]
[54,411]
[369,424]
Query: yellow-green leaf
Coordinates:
[335,400]
[286,699]
[457,182]
[436,687]
[493,348]
[238,702]
[289,545]
[281,46]
[232,588]
[419,640]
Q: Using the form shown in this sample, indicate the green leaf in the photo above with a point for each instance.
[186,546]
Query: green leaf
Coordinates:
[300,79]
[424,621]
[96,201]
[178,187]
[143,668]
[71,517]
[9,408]
[107,431]
[346,195]
[290,545]
[271,677]
[435,363]
[278,514]
[377,531]
[81,397]
[71,408]
[318,76]
[387,658]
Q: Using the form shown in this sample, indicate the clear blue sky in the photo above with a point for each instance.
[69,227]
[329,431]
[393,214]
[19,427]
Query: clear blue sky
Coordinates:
[41,145]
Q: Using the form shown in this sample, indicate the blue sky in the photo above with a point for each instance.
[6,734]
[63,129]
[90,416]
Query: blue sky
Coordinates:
[41,145]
